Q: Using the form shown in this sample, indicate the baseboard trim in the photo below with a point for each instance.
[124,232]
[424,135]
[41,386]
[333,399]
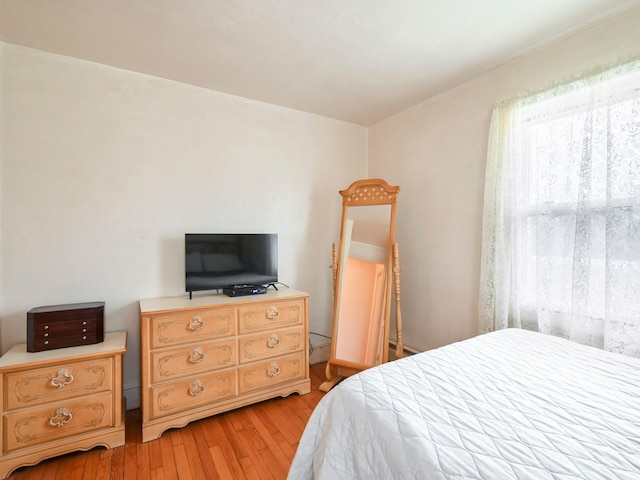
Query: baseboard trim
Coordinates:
[406,351]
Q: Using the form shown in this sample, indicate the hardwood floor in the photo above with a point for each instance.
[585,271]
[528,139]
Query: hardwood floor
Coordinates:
[255,442]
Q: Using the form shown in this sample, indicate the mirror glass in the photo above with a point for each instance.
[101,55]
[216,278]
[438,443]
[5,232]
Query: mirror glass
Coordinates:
[364,274]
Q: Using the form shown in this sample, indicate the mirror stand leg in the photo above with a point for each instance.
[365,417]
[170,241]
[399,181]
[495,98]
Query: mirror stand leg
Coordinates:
[396,275]
[332,378]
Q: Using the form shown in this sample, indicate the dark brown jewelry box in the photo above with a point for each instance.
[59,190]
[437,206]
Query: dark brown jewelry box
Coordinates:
[58,326]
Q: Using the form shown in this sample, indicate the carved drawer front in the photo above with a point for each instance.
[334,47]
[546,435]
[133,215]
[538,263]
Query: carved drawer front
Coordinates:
[174,329]
[42,385]
[271,372]
[34,426]
[192,392]
[170,364]
[268,316]
[271,344]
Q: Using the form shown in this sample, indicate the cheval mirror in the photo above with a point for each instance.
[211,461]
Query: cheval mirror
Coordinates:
[365,265]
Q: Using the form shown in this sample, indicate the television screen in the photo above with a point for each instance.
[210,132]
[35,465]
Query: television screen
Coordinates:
[217,261]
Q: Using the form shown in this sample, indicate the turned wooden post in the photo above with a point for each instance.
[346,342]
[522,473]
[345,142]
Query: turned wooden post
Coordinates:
[396,276]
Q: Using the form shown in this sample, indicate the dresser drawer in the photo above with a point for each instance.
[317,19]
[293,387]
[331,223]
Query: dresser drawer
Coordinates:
[48,329]
[34,426]
[183,327]
[60,382]
[169,364]
[271,372]
[40,344]
[271,344]
[189,393]
[267,316]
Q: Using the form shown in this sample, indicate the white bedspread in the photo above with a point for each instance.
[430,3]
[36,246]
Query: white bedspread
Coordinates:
[512,404]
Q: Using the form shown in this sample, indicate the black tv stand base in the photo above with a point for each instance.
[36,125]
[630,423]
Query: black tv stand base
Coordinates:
[244,290]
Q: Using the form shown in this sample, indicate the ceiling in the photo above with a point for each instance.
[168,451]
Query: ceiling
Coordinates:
[354,60]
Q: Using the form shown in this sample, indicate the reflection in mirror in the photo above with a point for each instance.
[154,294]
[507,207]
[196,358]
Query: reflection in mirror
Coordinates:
[365,264]
[364,271]
[362,301]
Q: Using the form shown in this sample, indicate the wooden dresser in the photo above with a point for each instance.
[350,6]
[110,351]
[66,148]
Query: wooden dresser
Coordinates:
[59,401]
[214,353]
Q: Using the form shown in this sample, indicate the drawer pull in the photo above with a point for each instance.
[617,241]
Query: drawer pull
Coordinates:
[196,389]
[197,356]
[273,313]
[61,418]
[63,379]
[273,341]
[273,370]
[196,323]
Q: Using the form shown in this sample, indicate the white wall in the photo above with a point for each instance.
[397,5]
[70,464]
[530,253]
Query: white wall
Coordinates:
[436,152]
[104,170]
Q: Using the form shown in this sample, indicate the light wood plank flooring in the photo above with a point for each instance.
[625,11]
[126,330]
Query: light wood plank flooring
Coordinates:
[255,442]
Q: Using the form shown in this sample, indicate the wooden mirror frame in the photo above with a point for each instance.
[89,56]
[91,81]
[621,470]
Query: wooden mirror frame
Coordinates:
[363,193]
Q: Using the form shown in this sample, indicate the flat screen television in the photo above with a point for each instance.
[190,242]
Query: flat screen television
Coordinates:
[230,260]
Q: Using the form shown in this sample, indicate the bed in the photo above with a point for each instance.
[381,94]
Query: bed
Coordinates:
[511,404]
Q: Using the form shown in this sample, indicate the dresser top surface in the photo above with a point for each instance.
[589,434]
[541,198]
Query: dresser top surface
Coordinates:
[114,342]
[154,305]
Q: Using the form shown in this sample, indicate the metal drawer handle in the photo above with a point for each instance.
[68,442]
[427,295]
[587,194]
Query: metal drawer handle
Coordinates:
[273,313]
[196,389]
[61,418]
[273,370]
[196,323]
[63,379]
[273,341]
[197,356]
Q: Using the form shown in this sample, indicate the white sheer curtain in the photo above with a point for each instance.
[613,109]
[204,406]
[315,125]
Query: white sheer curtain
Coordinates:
[561,225]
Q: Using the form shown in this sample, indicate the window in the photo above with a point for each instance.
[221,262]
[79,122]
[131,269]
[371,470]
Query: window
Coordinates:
[561,234]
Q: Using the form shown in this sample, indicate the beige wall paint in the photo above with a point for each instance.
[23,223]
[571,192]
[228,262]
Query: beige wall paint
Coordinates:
[104,170]
[436,152]
[100,170]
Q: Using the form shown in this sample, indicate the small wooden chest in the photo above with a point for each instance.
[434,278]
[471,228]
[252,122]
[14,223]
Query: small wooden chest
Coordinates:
[58,326]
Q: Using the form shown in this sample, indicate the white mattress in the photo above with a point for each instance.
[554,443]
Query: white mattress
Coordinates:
[512,404]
